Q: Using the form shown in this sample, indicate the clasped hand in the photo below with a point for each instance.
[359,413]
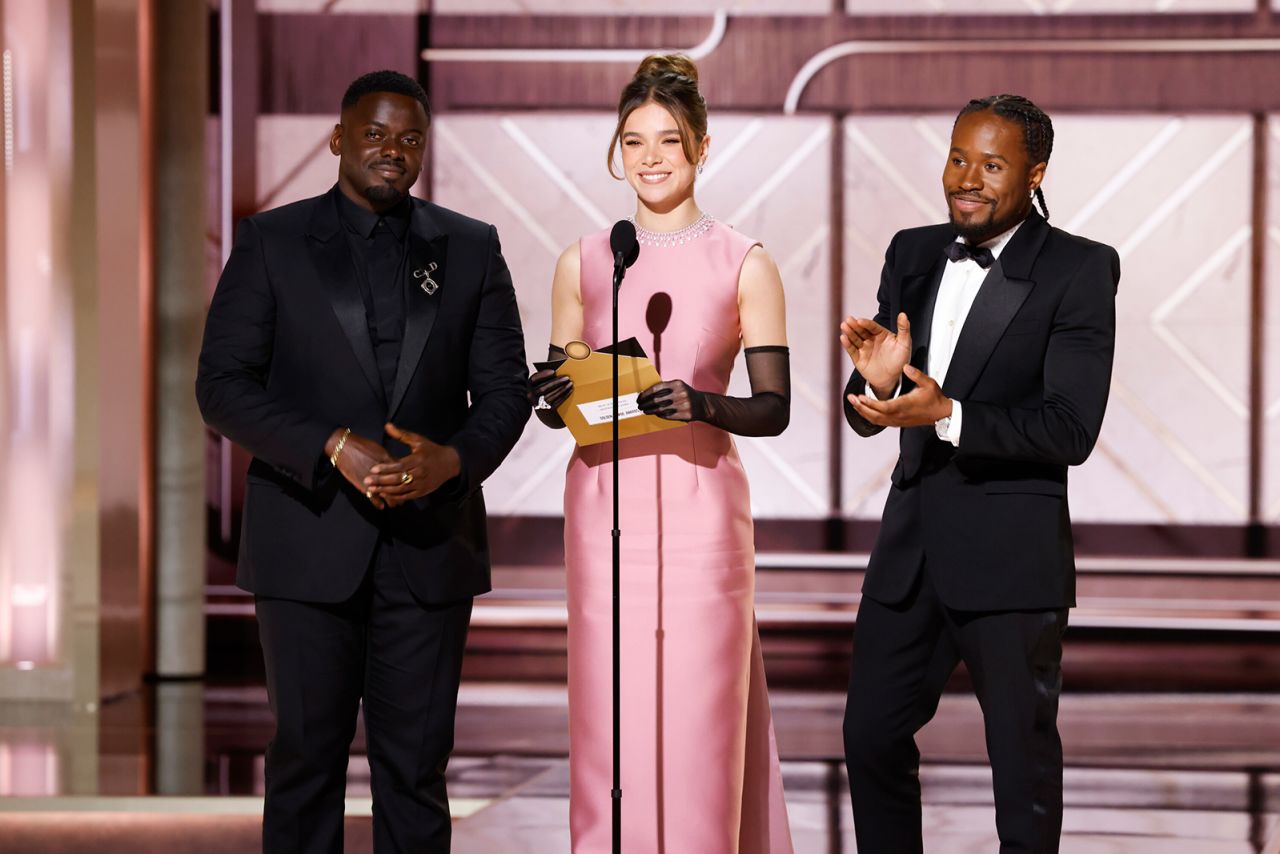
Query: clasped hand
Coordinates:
[389,481]
[882,357]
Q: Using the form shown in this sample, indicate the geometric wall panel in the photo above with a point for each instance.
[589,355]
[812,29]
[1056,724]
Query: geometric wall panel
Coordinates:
[291,162]
[537,178]
[1172,194]
[541,178]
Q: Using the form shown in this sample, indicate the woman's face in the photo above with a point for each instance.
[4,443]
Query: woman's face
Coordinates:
[653,158]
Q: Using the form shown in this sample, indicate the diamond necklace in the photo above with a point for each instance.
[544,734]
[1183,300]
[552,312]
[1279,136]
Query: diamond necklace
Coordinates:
[673,238]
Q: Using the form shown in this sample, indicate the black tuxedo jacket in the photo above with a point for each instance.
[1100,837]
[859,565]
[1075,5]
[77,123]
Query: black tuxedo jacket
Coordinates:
[1032,371]
[287,358]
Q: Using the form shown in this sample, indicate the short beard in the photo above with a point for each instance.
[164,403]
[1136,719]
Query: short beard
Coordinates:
[383,195]
[976,232]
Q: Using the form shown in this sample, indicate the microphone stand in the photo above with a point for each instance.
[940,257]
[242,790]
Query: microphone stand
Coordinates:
[619,270]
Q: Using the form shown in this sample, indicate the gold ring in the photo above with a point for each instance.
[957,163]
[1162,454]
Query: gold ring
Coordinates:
[406,478]
[368,493]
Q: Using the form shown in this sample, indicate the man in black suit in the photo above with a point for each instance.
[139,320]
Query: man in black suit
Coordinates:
[997,375]
[365,347]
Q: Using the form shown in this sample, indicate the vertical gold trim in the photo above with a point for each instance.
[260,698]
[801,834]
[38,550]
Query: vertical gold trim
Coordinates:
[1256,545]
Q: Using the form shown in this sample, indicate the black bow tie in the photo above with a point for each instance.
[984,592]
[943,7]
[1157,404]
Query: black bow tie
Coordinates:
[958,251]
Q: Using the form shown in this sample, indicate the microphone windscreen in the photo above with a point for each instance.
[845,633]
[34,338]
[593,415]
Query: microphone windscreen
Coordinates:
[622,240]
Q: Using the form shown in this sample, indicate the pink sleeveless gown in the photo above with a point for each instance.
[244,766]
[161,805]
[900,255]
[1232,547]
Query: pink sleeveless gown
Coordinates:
[699,761]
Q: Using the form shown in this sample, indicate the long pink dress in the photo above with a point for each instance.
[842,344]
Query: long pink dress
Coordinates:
[699,761]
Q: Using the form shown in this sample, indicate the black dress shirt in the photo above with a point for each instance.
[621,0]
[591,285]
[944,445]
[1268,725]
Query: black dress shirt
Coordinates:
[378,251]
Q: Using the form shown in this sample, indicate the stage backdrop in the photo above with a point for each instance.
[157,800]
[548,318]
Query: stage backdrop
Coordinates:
[822,148]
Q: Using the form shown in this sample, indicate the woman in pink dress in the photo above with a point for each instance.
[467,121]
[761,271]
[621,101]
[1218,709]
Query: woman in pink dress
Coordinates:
[699,761]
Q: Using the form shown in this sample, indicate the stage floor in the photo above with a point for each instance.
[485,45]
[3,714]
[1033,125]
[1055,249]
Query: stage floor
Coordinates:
[1146,773]
[520,805]
[1170,719]
[958,817]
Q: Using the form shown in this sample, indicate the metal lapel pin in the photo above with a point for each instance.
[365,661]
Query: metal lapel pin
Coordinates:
[423,275]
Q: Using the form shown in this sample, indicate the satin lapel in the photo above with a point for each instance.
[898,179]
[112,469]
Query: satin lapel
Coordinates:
[1003,292]
[428,252]
[332,259]
[919,293]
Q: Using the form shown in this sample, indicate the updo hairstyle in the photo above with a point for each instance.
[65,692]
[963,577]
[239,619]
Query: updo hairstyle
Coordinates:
[671,81]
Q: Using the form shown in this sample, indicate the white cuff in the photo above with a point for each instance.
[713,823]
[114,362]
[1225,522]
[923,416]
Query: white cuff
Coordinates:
[872,392]
[948,429]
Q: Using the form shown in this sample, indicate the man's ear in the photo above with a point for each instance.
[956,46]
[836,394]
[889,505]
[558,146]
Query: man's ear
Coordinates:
[1036,177]
[335,140]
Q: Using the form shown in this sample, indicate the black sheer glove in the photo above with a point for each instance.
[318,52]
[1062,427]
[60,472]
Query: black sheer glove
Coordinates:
[547,391]
[766,413]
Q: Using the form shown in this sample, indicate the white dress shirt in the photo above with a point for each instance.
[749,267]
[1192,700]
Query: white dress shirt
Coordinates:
[961,281]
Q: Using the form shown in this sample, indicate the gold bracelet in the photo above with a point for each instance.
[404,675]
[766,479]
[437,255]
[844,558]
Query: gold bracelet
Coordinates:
[337,449]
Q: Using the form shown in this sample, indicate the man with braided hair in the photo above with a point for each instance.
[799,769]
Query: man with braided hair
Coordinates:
[997,376]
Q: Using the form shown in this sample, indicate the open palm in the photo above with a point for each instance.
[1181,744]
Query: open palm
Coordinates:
[878,354]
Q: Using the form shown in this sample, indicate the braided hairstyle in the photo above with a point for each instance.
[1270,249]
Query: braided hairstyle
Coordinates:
[1037,128]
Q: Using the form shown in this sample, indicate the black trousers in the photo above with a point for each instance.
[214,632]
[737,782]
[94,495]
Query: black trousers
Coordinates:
[403,659]
[903,656]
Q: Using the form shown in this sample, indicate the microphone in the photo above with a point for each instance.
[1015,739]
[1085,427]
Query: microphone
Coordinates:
[656,316]
[622,240]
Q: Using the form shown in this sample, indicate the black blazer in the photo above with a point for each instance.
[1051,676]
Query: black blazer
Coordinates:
[1032,371]
[287,358]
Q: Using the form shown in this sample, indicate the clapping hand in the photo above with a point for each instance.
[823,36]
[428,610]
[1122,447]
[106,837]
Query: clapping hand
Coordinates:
[923,405]
[878,354]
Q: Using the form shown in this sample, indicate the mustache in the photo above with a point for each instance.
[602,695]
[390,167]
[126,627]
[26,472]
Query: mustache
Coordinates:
[970,197]
[394,164]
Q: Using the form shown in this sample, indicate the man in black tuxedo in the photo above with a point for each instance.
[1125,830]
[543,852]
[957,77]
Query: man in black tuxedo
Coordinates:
[345,337]
[997,375]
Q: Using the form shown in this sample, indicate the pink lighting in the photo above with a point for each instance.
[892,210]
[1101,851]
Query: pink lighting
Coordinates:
[28,769]
[37,386]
